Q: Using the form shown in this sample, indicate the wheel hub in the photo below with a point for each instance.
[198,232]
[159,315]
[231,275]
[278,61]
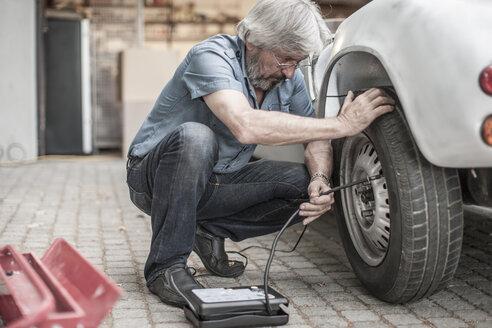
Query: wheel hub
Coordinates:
[366,206]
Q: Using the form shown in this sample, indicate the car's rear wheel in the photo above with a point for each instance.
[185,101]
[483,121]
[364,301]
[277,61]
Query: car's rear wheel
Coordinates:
[402,233]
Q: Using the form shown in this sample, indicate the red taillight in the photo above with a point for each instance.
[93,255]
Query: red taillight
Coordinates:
[487,130]
[486,80]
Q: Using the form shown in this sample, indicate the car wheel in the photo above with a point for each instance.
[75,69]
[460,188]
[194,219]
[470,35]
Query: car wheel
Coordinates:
[402,233]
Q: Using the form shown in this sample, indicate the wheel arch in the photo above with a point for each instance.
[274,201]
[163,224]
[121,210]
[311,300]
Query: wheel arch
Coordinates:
[352,69]
[359,68]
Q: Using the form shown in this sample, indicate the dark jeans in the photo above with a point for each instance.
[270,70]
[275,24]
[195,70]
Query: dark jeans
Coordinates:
[176,186]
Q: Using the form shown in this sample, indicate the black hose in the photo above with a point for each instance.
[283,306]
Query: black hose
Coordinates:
[277,237]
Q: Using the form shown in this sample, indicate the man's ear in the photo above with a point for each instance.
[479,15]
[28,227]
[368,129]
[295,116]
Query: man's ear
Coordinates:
[249,46]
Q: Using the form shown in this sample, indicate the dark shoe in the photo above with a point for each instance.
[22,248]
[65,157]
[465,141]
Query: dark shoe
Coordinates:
[211,251]
[172,283]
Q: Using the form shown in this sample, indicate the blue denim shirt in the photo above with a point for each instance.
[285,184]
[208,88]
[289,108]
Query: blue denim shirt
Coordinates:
[215,64]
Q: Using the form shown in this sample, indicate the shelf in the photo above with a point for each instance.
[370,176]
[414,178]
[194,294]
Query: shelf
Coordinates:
[106,22]
[158,6]
[188,22]
[112,6]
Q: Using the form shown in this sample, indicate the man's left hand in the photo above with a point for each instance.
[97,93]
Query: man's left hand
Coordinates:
[318,205]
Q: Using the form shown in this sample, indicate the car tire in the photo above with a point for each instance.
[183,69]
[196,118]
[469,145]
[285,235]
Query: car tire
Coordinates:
[402,233]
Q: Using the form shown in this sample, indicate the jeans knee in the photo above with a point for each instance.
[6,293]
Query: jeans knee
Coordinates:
[198,142]
[300,176]
[294,175]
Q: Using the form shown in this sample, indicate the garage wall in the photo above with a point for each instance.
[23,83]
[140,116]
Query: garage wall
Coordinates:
[18,93]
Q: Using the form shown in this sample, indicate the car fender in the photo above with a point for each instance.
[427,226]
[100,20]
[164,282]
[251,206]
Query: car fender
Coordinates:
[432,60]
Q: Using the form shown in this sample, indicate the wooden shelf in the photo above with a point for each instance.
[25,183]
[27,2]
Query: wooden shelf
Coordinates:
[168,18]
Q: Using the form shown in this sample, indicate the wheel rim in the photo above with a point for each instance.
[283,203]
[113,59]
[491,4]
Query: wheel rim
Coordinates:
[366,207]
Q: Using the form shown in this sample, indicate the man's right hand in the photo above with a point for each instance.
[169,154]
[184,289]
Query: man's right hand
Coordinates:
[357,113]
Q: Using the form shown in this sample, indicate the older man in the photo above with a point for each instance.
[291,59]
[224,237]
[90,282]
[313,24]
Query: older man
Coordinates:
[189,165]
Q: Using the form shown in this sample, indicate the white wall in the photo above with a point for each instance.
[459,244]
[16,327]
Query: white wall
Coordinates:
[18,94]
[144,72]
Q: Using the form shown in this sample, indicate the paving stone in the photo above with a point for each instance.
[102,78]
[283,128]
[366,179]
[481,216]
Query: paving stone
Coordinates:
[328,288]
[318,311]
[168,316]
[323,322]
[360,315]
[357,290]
[305,292]
[353,282]
[402,319]
[447,322]
[130,287]
[340,297]
[174,325]
[474,315]
[427,309]
[295,318]
[369,299]
[455,304]
[318,280]
[308,272]
[301,265]
[131,323]
[371,324]
[307,301]
[120,271]
[292,283]
[348,305]
[130,304]
[129,313]
[388,309]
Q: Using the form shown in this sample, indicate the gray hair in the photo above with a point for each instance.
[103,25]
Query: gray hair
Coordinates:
[294,27]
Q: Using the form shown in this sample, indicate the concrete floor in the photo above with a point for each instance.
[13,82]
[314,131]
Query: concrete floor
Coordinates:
[85,200]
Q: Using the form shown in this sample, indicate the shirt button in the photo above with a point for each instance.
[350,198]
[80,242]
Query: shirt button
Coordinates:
[238,54]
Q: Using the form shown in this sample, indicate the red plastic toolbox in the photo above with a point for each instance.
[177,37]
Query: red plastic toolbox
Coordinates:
[71,291]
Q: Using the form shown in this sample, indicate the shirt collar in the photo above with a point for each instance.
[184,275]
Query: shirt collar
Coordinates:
[242,55]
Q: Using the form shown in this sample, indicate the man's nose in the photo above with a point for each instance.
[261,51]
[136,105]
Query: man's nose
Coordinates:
[289,72]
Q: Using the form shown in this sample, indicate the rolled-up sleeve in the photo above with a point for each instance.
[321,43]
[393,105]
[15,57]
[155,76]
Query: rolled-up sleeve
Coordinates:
[208,72]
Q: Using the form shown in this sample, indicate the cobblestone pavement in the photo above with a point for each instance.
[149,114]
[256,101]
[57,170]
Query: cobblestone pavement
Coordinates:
[85,200]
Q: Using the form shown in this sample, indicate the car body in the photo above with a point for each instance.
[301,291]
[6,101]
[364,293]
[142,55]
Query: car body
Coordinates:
[432,54]
[402,233]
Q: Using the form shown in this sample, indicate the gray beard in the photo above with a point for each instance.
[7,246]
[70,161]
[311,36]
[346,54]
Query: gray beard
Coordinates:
[256,78]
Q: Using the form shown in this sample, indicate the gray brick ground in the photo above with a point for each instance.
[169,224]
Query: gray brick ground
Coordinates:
[85,200]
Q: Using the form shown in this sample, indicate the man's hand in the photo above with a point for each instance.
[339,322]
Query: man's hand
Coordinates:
[318,205]
[358,113]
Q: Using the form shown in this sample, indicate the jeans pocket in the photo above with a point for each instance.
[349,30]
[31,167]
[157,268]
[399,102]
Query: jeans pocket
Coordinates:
[141,200]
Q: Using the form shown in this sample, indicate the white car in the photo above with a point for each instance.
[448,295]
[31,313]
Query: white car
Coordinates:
[403,233]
